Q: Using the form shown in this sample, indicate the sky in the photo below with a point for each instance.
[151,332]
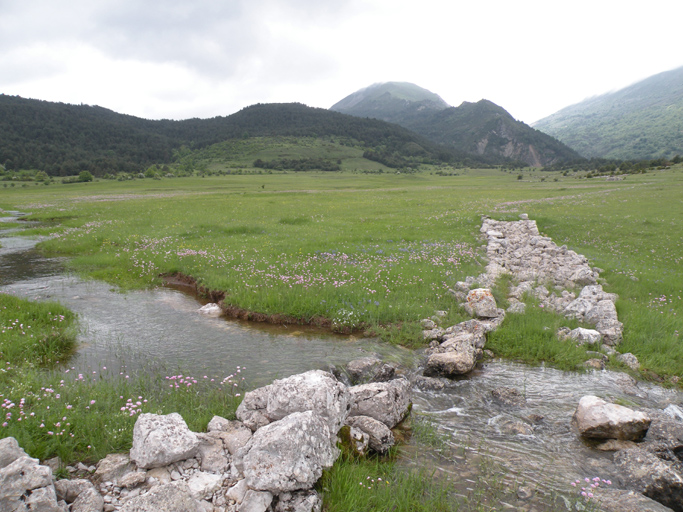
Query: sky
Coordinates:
[177,59]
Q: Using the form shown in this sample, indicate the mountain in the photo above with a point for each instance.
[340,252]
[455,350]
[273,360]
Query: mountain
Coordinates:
[642,121]
[395,102]
[483,129]
[64,139]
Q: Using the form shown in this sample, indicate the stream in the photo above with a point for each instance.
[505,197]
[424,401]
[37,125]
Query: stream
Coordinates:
[531,447]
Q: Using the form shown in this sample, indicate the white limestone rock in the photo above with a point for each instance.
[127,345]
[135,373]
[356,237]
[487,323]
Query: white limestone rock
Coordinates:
[596,418]
[288,454]
[388,402]
[159,440]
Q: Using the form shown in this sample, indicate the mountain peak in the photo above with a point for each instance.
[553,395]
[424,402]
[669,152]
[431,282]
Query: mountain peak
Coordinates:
[389,101]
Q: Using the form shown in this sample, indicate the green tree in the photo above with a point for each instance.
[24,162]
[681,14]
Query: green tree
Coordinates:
[84,176]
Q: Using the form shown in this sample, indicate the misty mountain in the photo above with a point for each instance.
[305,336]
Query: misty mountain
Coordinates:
[642,121]
[483,129]
[64,139]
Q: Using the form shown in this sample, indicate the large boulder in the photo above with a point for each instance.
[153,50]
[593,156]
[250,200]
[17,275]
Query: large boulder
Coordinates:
[289,454]
[598,419]
[161,440]
[388,402]
[653,477]
[172,497]
[315,390]
[451,363]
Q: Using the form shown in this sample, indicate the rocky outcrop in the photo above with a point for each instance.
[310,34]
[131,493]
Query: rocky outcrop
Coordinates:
[598,419]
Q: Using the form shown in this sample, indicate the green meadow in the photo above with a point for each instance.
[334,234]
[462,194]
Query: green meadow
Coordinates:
[372,253]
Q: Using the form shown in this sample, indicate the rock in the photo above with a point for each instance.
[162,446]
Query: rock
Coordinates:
[369,369]
[480,303]
[516,308]
[381,438]
[614,445]
[211,309]
[236,437]
[211,452]
[315,390]
[69,490]
[354,441]
[596,418]
[508,396]
[289,454]
[218,424]
[596,364]
[452,363]
[42,500]
[132,479]
[388,402]
[236,492]
[173,497]
[161,440]
[161,475]
[25,483]
[10,451]
[113,467]
[582,336]
[88,501]
[202,485]
[618,500]
[629,360]
[252,409]
[428,383]
[655,478]
[428,324]
[674,412]
[304,501]
[255,501]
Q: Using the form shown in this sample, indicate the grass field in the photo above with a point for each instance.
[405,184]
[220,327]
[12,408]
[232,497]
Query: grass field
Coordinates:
[375,252]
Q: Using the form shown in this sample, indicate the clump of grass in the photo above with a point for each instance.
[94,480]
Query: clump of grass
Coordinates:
[35,334]
[375,485]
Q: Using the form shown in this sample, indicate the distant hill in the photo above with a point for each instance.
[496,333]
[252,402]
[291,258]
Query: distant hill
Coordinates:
[483,129]
[64,139]
[642,121]
[396,102]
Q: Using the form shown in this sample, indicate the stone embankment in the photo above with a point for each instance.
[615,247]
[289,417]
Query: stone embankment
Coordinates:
[269,459]
[540,269]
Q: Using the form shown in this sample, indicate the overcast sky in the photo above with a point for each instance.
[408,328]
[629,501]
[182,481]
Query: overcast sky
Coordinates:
[203,58]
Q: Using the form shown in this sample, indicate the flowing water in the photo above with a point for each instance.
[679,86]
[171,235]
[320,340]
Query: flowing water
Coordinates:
[474,440]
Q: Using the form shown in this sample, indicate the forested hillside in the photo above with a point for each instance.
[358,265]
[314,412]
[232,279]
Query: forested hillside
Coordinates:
[64,139]
[642,121]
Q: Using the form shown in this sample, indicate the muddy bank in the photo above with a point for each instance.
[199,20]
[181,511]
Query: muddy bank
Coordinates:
[185,282]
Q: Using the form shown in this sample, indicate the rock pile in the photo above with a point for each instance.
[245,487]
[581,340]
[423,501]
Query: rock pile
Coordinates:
[267,460]
[535,262]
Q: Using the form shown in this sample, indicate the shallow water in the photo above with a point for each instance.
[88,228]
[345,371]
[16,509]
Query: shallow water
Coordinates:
[161,331]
